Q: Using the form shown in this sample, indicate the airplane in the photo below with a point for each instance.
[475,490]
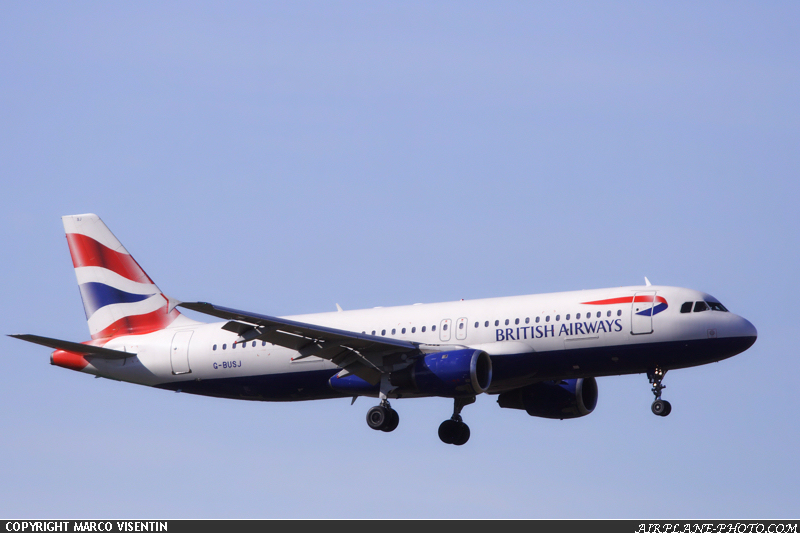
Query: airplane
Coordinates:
[539,353]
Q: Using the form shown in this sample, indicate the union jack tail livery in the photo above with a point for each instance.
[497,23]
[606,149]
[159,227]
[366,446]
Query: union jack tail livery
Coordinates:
[118,297]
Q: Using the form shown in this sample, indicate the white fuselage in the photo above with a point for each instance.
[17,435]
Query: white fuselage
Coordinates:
[529,338]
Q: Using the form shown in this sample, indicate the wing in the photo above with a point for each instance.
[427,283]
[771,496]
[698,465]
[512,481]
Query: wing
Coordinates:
[366,356]
[75,347]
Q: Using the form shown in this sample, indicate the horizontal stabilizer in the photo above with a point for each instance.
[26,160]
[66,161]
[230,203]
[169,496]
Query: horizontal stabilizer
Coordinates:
[75,347]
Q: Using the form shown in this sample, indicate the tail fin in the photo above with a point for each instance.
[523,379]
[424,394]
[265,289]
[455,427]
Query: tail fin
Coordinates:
[118,297]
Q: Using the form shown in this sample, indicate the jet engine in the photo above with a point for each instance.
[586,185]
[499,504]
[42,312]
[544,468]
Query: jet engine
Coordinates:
[449,374]
[455,373]
[571,398]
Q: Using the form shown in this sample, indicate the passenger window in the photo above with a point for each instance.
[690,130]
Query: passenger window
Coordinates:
[619,312]
[496,322]
[423,329]
[373,332]
[404,331]
[224,346]
[506,321]
[700,306]
[537,319]
[476,325]
[578,316]
[599,314]
[214,348]
[516,322]
[547,318]
[263,343]
[383,332]
[233,346]
[609,313]
[433,328]
[393,330]
[444,327]
[486,324]
[414,330]
[567,316]
[460,325]
[527,320]
[686,307]
[558,317]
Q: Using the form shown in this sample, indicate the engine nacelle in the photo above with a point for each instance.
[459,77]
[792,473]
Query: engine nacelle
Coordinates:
[451,374]
[569,398]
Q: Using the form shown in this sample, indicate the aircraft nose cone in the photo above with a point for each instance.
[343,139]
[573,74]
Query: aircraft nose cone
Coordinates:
[747,329]
[744,334]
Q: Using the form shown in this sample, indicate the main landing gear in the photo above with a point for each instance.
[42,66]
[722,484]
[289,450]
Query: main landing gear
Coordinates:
[660,407]
[455,431]
[382,417]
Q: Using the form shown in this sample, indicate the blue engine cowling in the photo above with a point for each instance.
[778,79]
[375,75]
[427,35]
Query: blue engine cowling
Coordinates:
[450,374]
[455,373]
[569,398]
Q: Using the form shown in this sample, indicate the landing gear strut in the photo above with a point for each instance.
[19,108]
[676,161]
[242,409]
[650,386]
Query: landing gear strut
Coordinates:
[455,431]
[382,417]
[660,407]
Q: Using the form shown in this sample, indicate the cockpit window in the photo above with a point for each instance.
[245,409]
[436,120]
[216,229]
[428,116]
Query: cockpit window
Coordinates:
[686,307]
[716,306]
[700,306]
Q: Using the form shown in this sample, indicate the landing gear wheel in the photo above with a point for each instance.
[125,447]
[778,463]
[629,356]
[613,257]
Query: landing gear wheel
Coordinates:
[463,435]
[392,421]
[448,431]
[383,418]
[661,407]
[454,431]
[377,417]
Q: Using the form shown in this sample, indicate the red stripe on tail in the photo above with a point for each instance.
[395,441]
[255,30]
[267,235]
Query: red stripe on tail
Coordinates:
[139,324]
[86,252]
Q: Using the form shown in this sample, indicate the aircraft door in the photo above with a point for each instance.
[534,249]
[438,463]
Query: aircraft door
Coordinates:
[179,352]
[461,329]
[642,312]
[444,330]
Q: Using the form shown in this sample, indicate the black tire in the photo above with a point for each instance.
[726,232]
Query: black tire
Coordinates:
[463,435]
[391,421]
[658,407]
[667,408]
[448,431]
[377,417]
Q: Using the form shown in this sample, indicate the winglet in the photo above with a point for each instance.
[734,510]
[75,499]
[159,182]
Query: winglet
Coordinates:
[647,281]
[339,308]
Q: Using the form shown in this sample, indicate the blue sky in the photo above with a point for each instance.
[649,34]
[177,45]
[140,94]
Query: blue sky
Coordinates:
[285,158]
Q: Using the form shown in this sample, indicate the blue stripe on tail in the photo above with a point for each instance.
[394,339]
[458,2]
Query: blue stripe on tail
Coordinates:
[96,295]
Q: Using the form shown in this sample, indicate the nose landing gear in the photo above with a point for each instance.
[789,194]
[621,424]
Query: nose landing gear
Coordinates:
[660,407]
[455,431]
